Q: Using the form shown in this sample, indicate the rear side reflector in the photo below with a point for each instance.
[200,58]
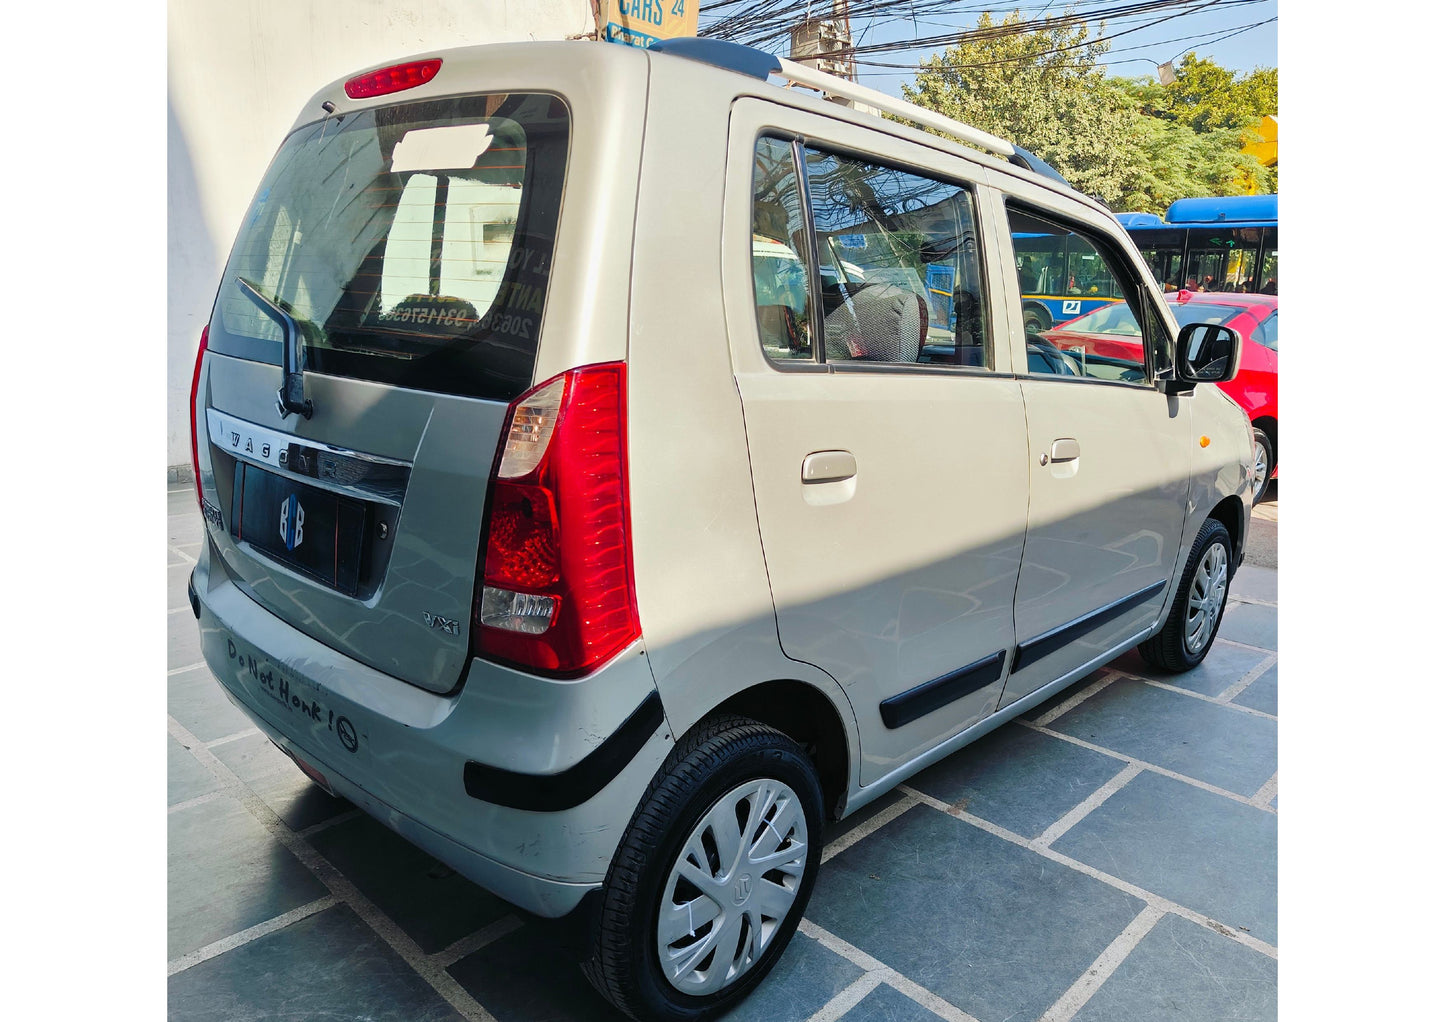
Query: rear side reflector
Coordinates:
[556,593]
[397,78]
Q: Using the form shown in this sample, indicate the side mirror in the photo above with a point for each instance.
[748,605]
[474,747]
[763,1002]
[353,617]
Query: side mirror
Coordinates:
[1205,353]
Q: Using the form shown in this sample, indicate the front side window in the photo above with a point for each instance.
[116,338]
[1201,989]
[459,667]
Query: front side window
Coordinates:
[1107,341]
[411,243]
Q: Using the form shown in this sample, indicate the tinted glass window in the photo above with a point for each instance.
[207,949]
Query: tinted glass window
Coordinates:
[898,265]
[782,285]
[412,244]
[1267,333]
[1202,312]
[1107,344]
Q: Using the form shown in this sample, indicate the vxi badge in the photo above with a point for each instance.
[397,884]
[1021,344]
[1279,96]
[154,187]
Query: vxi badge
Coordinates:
[293,516]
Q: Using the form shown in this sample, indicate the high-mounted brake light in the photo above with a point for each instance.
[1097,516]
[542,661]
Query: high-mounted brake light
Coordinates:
[195,390]
[397,78]
[556,593]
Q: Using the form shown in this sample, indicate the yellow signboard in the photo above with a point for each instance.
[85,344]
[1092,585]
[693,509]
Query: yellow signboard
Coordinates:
[644,22]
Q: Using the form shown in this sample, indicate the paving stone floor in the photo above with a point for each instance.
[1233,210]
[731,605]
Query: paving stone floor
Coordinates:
[1109,857]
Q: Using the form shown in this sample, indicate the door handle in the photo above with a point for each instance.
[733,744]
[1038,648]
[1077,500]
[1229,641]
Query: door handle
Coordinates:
[829,466]
[1064,449]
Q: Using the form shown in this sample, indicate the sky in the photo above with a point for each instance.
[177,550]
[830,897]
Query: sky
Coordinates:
[1135,54]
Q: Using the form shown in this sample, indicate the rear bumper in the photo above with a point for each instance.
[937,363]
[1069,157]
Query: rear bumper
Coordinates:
[406,755]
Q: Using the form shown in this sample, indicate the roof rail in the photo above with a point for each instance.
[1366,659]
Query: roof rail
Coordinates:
[759,64]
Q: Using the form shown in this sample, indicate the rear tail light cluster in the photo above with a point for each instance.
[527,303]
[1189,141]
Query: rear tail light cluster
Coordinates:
[556,593]
[195,391]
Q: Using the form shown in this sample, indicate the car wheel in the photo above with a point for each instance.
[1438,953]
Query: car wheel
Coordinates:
[1036,319]
[1263,463]
[1194,618]
[712,875]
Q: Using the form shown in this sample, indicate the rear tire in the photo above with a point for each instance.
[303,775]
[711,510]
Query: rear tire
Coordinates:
[1198,607]
[712,876]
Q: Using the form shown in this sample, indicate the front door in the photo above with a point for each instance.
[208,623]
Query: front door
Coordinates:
[1109,458]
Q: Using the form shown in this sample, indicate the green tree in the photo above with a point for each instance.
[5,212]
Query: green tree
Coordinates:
[1135,145]
[1042,89]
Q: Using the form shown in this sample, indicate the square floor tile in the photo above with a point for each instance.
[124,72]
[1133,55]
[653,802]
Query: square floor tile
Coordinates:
[1256,583]
[433,904]
[278,782]
[807,977]
[227,873]
[196,700]
[1198,849]
[884,1004]
[177,578]
[185,777]
[1262,693]
[1067,694]
[1216,744]
[1019,779]
[991,927]
[183,641]
[525,977]
[1185,972]
[1223,667]
[833,831]
[327,966]
[1251,623]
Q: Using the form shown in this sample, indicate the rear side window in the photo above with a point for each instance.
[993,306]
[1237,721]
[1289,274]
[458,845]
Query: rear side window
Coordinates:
[899,264]
[882,263]
[412,243]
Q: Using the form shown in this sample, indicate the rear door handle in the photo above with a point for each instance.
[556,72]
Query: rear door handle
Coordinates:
[1064,449]
[829,466]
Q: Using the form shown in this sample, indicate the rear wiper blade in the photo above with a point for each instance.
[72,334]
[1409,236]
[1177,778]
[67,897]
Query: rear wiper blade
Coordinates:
[292,395]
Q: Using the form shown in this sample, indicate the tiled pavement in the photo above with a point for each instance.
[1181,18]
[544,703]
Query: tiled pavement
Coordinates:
[1111,857]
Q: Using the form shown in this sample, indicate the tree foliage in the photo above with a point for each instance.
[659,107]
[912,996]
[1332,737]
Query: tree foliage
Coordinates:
[1134,144]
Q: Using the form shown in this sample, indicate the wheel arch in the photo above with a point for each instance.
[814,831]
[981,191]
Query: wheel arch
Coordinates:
[1270,425]
[1229,512]
[807,716]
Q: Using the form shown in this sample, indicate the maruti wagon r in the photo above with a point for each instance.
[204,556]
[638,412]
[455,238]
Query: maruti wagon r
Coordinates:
[615,465]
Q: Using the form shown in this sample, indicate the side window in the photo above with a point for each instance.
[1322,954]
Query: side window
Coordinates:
[1267,333]
[1080,309]
[782,286]
[898,265]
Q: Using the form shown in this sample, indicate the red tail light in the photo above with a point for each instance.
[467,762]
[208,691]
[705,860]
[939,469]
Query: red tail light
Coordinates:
[195,390]
[397,78]
[556,593]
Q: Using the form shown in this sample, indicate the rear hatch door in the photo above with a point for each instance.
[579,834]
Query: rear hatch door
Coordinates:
[411,246]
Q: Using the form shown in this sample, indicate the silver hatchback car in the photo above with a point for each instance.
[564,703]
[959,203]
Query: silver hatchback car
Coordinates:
[615,466]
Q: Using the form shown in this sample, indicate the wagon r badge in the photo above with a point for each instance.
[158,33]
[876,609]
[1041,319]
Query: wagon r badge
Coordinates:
[445,624]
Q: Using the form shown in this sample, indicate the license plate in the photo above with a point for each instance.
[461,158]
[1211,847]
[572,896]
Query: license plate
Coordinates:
[313,530]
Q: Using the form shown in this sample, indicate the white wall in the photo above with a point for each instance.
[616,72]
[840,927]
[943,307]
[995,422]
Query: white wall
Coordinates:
[239,71]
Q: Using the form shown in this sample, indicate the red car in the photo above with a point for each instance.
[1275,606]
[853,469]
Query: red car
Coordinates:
[1112,332]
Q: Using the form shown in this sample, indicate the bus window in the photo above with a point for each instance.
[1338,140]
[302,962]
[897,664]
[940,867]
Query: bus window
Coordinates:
[1163,251]
[1061,276]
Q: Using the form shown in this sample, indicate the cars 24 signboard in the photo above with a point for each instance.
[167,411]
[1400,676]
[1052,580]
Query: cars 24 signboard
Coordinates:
[644,22]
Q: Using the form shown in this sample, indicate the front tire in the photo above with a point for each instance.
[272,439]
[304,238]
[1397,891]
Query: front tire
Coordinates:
[1198,607]
[1263,463]
[712,876]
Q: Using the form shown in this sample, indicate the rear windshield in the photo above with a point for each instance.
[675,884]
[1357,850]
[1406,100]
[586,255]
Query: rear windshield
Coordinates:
[411,243]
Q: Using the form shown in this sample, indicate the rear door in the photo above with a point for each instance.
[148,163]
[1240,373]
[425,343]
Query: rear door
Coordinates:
[1108,463]
[885,433]
[412,245]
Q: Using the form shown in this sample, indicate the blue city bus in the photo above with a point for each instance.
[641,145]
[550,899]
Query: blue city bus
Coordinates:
[1061,276]
[1229,243]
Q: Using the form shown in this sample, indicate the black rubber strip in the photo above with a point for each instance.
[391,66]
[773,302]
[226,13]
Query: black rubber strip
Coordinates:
[191,594]
[550,793]
[907,707]
[1052,641]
